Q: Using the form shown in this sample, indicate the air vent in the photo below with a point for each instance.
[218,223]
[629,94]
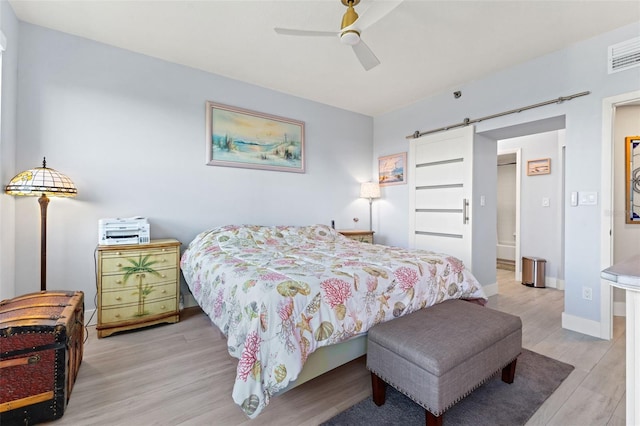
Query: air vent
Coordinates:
[624,55]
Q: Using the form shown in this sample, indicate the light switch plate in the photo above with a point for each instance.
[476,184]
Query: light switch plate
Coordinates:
[588,198]
[574,198]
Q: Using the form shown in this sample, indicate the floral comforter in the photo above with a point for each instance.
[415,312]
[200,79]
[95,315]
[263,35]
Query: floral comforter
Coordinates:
[279,293]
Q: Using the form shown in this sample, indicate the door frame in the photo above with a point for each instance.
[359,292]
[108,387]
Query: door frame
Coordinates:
[518,152]
[609,106]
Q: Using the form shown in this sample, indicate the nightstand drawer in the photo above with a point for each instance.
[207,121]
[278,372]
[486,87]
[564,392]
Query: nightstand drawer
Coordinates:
[134,312]
[368,238]
[129,294]
[157,259]
[137,250]
[117,282]
[358,235]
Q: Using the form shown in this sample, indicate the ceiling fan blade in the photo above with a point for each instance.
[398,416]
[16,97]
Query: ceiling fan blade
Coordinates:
[375,12]
[366,57]
[307,33]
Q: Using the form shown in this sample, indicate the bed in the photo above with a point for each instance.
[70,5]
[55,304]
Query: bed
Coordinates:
[279,293]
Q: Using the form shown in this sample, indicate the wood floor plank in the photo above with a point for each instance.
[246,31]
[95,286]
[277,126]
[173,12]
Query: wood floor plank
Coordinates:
[618,418]
[608,376]
[585,407]
[181,374]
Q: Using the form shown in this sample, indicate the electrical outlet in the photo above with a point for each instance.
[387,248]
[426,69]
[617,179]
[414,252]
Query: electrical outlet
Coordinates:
[586,293]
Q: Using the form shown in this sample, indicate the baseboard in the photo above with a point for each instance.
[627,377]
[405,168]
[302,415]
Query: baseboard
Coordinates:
[90,317]
[490,289]
[550,282]
[581,325]
[189,300]
[619,309]
[553,282]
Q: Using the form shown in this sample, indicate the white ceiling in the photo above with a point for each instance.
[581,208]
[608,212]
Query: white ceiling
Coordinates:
[424,46]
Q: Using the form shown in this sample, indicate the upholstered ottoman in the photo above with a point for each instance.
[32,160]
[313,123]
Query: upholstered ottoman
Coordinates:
[438,355]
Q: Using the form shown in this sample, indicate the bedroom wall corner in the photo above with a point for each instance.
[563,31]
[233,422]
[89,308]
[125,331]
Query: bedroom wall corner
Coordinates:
[490,289]
[8,143]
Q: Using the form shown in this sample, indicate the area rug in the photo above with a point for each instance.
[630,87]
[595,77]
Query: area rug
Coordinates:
[494,403]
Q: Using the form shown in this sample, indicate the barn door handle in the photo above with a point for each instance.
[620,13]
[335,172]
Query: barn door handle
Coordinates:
[465,211]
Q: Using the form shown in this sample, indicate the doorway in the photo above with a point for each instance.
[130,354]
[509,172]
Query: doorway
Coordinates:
[508,211]
[607,231]
[539,200]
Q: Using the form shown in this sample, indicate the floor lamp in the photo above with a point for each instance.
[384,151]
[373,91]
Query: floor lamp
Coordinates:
[43,182]
[370,190]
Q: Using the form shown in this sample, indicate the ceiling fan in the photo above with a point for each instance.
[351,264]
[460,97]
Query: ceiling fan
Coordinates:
[352,28]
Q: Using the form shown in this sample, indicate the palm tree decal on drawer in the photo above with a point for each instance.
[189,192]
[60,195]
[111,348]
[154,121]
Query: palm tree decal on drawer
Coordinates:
[140,268]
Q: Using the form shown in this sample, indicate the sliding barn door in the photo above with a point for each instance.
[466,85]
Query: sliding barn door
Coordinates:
[440,187]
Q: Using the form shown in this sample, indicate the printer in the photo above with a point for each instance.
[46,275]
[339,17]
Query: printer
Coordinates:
[118,231]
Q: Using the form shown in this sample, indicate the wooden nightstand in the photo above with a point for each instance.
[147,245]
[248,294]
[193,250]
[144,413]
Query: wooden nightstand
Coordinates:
[138,285]
[358,234]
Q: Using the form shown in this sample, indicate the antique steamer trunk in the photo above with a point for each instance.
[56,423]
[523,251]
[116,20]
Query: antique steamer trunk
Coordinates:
[41,346]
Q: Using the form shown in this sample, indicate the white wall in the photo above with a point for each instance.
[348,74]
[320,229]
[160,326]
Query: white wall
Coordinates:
[581,67]
[484,214]
[130,131]
[626,238]
[9,26]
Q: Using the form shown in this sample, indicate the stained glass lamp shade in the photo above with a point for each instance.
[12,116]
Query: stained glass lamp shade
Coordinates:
[42,182]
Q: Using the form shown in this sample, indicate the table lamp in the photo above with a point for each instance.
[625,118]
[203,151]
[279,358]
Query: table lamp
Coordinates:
[43,182]
[370,190]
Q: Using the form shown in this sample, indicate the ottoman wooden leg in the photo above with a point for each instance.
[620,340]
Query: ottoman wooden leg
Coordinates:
[509,372]
[433,420]
[379,388]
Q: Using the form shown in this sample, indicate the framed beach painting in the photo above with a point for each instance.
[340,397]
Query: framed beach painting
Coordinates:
[541,166]
[392,169]
[241,138]
[632,178]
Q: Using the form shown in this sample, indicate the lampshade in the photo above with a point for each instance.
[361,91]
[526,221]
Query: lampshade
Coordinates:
[370,190]
[41,180]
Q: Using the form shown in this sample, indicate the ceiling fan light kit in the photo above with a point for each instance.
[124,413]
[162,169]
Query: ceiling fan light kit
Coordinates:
[350,37]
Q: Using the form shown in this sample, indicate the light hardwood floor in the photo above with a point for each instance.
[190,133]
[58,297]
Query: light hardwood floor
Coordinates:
[181,374]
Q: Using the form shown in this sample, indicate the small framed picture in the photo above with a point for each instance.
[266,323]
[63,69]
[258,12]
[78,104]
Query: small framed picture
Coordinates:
[541,166]
[392,169]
